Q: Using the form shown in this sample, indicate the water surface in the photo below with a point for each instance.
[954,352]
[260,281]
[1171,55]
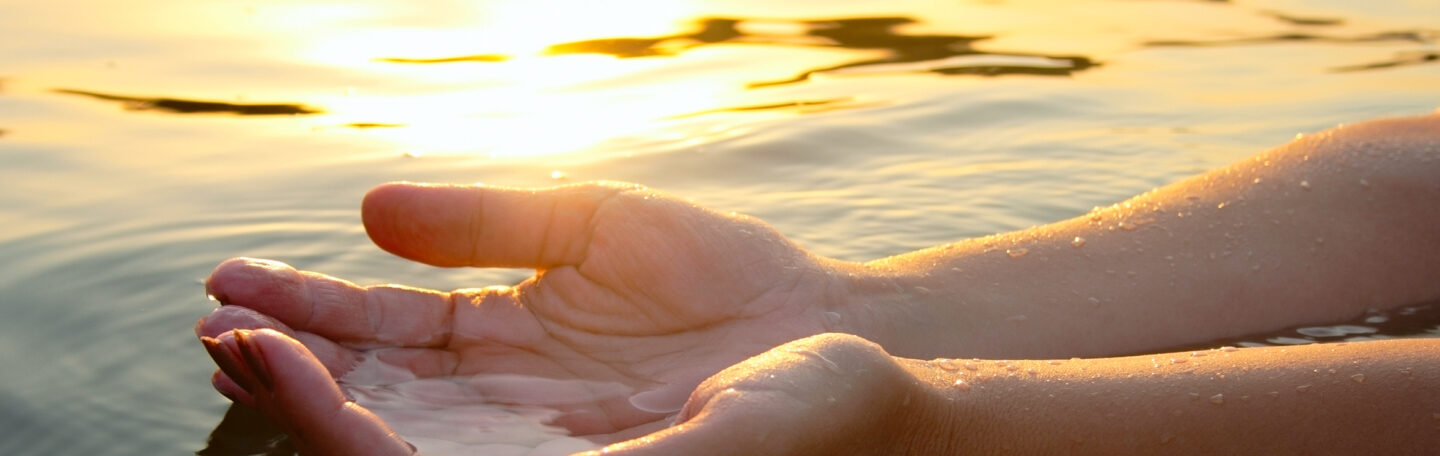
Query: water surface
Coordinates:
[143,141]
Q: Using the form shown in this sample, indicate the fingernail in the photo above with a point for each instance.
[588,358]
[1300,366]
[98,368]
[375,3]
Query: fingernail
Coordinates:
[229,362]
[250,352]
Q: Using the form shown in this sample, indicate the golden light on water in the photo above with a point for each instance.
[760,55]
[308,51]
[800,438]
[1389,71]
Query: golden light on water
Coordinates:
[498,75]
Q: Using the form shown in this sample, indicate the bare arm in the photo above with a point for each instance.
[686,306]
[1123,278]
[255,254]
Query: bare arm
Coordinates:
[1378,397]
[1317,230]
[839,394]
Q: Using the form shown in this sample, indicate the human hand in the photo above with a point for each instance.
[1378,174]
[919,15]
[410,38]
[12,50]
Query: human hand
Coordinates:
[633,288]
[825,394]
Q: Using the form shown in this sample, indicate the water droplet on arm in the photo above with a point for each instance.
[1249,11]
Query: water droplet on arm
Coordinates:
[961,385]
[1078,241]
[1218,399]
[1358,378]
[1017,252]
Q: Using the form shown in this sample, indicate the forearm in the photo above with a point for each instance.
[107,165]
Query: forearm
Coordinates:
[1379,397]
[1317,230]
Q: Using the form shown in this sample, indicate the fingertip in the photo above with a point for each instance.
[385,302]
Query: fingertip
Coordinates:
[235,317]
[227,387]
[243,279]
[412,220]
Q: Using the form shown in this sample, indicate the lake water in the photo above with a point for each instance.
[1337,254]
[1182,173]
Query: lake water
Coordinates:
[143,141]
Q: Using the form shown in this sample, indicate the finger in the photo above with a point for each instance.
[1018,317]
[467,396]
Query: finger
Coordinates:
[227,318]
[337,358]
[293,388]
[334,308]
[486,226]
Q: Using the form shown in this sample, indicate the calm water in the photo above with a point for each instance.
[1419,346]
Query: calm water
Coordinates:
[143,141]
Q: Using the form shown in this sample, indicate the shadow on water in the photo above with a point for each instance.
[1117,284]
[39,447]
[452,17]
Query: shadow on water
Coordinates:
[799,106]
[179,106]
[940,54]
[1424,38]
[245,432]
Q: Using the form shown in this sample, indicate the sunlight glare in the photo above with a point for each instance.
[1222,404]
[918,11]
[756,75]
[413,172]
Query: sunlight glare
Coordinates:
[528,104]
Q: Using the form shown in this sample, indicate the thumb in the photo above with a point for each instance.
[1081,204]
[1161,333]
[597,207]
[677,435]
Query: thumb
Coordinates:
[289,385]
[727,422]
[485,226]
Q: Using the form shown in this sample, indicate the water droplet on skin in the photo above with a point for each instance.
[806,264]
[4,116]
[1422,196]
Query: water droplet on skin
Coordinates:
[558,175]
[1302,388]
[1177,360]
[1221,205]
[1078,241]
[922,291]
[969,366]
[1333,372]
[1010,367]
[961,385]
[1358,378]
[1194,396]
[1054,362]
[1197,354]
[1126,225]
[1364,183]
[1305,184]
[1094,301]
[1405,371]
[1031,371]
[1017,252]
[1273,394]
[948,365]
[1228,349]
[1217,399]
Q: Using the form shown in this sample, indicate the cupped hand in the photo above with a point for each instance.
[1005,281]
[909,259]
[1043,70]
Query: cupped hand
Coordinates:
[641,292]
[824,394]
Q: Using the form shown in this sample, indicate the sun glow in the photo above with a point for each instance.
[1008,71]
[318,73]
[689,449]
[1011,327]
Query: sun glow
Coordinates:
[484,84]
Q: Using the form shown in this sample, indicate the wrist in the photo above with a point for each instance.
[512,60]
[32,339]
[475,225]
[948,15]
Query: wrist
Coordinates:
[906,307]
[939,416]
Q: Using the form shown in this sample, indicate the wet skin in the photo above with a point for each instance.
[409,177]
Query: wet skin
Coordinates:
[657,294]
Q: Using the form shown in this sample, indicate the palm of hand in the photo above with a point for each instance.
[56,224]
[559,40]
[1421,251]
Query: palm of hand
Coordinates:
[633,289]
